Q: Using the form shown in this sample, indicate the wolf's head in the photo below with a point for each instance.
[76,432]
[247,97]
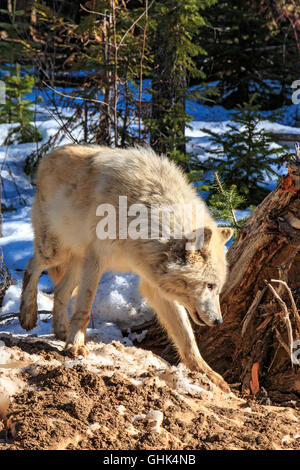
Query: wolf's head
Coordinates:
[194,273]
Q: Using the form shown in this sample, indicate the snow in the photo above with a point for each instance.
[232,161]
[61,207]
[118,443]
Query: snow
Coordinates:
[154,419]
[12,362]
[94,427]
[136,336]
[11,302]
[121,409]
[118,300]
[118,305]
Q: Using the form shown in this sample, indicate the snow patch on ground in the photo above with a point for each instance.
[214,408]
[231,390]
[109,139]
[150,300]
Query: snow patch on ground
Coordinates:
[105,359]
[118,300]
[12,363]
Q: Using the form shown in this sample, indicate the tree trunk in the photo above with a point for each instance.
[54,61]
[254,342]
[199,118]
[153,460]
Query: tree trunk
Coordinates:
[168,98]
[103,128]
[256,330]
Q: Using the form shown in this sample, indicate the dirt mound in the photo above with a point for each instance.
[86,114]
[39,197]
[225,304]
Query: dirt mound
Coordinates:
[140,403]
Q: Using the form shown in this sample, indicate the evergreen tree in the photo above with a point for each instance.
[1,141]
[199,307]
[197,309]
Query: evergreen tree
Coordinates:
[247,46]
[174,27]
[13,27]
[18,109]
[224,202]
[244,155]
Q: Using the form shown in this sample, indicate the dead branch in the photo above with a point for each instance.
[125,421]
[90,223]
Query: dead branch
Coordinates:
[252,309]
[285,318]
[10,316]
[145,12]
[293,303]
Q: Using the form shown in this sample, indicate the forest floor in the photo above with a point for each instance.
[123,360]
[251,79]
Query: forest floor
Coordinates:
[124,397]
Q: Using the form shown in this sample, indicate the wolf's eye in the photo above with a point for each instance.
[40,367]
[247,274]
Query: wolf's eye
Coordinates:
[211,286]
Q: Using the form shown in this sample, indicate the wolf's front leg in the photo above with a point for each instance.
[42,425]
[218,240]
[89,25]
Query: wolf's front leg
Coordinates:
[88,283]
[175,320]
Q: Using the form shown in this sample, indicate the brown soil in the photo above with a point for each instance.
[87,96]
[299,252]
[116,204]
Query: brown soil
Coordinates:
[67,407]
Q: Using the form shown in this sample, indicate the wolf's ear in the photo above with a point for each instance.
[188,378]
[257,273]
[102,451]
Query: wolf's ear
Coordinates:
[226,233]
[207,234]
[199,241]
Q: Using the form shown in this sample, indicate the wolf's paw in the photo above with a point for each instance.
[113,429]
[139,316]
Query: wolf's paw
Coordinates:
[218,381]
[73,350]
[196,364]
[28,316]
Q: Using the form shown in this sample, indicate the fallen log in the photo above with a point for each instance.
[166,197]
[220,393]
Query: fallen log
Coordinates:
[261,319]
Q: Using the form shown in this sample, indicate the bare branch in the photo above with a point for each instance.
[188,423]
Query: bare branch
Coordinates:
[73,97]
[293,303]
[135,22]
[286,319]
[9,316]
[91,11]
[252,309]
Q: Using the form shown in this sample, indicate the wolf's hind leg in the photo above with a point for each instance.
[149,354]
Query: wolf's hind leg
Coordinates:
[174,318]
[46,255]
[28,305]
[62,293]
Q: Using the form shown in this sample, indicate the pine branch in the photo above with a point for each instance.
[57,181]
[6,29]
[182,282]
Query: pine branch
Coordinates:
[228,200]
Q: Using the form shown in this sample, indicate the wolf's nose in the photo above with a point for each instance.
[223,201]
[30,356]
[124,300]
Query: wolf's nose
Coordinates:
[218,321]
